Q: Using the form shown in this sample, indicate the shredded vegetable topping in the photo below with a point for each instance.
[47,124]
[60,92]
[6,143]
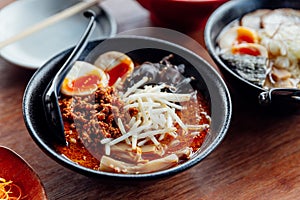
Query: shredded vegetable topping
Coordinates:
[151,119]
[156,116]
[9,190]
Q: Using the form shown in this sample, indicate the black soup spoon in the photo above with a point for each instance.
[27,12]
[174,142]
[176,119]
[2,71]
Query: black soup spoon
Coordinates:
[50,96]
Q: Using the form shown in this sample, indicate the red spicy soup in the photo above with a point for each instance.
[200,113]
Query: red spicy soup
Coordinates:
[111,131]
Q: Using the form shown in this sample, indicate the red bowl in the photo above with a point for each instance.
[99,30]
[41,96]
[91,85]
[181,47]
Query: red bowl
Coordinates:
[16,169]
[181,14]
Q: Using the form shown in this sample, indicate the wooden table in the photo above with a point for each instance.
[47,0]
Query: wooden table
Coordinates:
[258,159]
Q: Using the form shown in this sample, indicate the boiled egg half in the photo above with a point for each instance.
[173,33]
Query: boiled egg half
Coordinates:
[116,65]
[237,35]
[83,79]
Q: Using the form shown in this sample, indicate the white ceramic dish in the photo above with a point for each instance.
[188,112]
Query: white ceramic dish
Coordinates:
[34,50]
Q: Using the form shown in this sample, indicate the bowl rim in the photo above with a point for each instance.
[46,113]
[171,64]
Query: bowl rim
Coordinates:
[221,86]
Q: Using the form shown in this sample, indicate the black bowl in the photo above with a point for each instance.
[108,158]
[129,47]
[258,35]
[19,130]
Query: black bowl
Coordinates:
[223,16]
[145,49]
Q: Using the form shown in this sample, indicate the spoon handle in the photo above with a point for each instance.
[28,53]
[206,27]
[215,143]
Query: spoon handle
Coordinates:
[265,98]
[50,98]
[61,74]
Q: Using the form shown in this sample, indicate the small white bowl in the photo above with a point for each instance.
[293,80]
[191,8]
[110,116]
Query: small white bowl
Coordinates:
[33,51]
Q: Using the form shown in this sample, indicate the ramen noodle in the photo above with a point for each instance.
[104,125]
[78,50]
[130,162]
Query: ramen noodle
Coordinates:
[150,120]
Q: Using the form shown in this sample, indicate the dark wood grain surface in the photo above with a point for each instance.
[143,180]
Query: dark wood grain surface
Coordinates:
[258,159]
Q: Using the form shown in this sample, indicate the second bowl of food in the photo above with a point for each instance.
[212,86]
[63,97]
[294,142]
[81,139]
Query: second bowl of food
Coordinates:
[18,180]
[256,44]
[133,107]
[181,14]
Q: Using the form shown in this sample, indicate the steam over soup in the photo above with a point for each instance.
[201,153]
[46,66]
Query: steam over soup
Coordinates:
[127,117]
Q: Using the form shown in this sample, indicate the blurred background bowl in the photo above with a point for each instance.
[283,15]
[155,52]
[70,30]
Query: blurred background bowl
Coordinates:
[226,14]
[16,169]
[211,83]
[181,14]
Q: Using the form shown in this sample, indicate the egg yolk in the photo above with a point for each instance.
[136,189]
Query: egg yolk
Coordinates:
[246,50]
[246,35]
[118,71]
[82,83]
[85,81]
